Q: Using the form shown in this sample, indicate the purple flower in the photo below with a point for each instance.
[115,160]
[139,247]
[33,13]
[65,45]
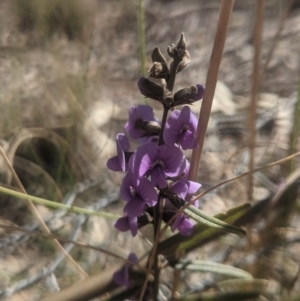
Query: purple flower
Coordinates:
[137,192]
[193,188]
[126,223]
[137,115]
[185,189]
[181,128]
[158,162]
[118,163]
[183,225]
[121,277]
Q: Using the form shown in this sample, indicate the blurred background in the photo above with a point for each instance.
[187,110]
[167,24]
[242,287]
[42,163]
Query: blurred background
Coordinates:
[68,74]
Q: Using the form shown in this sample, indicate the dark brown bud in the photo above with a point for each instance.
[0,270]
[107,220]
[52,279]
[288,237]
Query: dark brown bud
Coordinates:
[159,70]
[150,89]
[157,56]
[185,59]
[188,95]
[181,44]
[151,128]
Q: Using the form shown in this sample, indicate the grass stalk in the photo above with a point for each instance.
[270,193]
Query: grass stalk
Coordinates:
[142,39]
[211,82]
[255,85]
[295,130]
[55,205]
[210,87]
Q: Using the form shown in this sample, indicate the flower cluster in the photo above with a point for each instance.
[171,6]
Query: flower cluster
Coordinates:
[156,171]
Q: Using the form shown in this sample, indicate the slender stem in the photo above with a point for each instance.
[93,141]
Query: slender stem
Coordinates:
[142,40]
[211,81]
[56,205]
[163,123]
[254,89]
[156,266]
[294,133]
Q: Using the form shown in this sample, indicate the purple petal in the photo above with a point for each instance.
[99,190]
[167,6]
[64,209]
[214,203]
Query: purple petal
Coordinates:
[114,164]
[122,146]
[193,187]
[147,192]
[137,192]
[121,277]
[173,159]
[186,170]
[172,128]
[188,141]
[126,223]
[180,188]
[128,183]
[143,158]
[135,207]
[183,225]
[181,128]
[158,177]
[142,112]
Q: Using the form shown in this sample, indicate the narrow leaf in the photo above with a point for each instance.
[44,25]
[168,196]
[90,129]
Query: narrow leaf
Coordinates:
[211,267]
[237,290]
[258,286]
[217,296]
[202,233]
[201,217]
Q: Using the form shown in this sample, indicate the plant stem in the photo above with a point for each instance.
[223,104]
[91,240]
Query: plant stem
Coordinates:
[254,89]
[142,40]
[294,133]
[211,81]
[163,123]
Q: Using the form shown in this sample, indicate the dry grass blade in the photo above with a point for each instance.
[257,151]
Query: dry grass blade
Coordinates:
[40,133]
[38,216]
[37,171]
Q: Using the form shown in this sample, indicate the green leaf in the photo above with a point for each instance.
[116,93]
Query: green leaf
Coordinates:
[258,286]
[211,267]
[237,290]
[217,296]
[201,217]
[202,233]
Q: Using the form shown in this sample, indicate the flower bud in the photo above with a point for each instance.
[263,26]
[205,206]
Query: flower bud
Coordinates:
[188,95]
[157,56]
[150,89]
[159,70]
[185,59]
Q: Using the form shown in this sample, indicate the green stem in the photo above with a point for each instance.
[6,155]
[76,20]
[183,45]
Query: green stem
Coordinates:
[55,204]
[294,133]
[142,39]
